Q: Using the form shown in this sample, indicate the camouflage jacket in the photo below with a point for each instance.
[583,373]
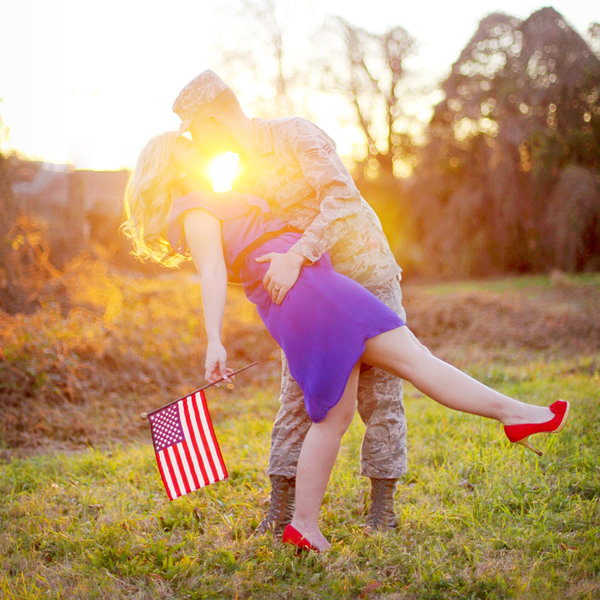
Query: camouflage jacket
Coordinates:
[297,170]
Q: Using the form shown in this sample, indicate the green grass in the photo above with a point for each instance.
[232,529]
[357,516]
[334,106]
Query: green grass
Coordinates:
[478,517]
[539,283]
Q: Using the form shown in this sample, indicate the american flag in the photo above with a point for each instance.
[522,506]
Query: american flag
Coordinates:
[185,445]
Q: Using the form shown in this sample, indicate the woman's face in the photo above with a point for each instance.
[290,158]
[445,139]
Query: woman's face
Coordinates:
[190,164]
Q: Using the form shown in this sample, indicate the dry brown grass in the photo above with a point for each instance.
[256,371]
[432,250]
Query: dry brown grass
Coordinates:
[103,346]
[558,318]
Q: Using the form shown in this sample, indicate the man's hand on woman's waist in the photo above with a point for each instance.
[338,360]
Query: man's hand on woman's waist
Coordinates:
[282,273]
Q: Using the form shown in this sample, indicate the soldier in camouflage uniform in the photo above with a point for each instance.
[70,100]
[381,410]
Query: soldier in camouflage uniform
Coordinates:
[293,164]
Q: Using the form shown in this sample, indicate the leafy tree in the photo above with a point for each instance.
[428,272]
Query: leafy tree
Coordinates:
[25,268]
[520,105]
[8,206]
[594,37]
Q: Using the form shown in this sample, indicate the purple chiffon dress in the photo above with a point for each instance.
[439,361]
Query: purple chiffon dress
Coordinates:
[324,321]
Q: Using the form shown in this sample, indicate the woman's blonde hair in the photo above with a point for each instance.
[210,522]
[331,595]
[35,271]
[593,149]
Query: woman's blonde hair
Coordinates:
[149,198]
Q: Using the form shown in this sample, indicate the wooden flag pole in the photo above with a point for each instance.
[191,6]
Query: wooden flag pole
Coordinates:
[145,414]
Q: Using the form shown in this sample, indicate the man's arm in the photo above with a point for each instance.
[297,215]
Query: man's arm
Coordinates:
[337,195]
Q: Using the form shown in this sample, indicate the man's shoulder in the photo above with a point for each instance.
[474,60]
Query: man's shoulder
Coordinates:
[298,129]
[289,122]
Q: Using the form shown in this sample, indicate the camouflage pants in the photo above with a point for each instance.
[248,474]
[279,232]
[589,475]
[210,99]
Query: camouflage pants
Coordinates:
[383,451]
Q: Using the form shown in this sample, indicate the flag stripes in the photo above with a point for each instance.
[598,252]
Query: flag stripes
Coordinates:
[186,447]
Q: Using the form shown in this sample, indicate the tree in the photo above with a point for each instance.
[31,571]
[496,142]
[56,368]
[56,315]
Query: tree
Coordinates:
[8,291]
[370,74]
[594,37]
[521,103]
[25,267]
[263,49]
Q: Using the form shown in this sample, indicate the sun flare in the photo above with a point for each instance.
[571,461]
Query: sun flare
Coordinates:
[222,171]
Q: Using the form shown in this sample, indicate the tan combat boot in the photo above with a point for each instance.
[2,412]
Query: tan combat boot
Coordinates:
[381,516]
[281,506]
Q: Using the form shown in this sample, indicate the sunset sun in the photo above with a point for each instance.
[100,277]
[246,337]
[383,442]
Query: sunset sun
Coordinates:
[222,171]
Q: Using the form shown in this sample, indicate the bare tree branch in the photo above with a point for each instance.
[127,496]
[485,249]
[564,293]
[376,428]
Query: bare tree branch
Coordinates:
[370,77]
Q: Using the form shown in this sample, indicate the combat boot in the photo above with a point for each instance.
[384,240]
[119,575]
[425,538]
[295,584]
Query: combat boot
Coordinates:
[381,516]
[281,506]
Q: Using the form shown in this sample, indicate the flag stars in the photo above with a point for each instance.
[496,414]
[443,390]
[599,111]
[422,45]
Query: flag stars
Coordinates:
[187,450]
[166,428]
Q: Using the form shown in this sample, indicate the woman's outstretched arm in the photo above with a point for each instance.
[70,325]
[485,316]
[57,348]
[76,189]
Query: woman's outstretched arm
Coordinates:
[204,239]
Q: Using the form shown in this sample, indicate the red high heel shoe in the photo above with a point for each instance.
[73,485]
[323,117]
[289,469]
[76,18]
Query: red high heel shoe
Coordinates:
[520,432]
[292,536]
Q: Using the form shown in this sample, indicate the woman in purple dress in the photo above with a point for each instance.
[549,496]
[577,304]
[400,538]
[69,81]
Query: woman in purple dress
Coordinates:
[327,324]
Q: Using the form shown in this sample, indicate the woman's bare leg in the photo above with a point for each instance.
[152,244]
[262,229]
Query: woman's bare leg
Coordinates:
[317,457]
[399,352]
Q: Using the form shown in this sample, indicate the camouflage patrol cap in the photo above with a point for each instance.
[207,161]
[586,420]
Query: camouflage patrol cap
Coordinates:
[197,94]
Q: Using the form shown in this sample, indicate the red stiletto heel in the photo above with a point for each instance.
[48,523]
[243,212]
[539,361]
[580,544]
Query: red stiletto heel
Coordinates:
[520,433]
[292,536]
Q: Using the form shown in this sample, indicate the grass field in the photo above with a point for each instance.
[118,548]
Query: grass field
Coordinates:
[84,515]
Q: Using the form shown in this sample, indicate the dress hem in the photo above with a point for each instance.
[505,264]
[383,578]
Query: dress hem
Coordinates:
[349,371]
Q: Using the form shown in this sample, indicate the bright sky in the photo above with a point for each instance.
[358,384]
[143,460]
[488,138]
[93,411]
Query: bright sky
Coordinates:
[90,82]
